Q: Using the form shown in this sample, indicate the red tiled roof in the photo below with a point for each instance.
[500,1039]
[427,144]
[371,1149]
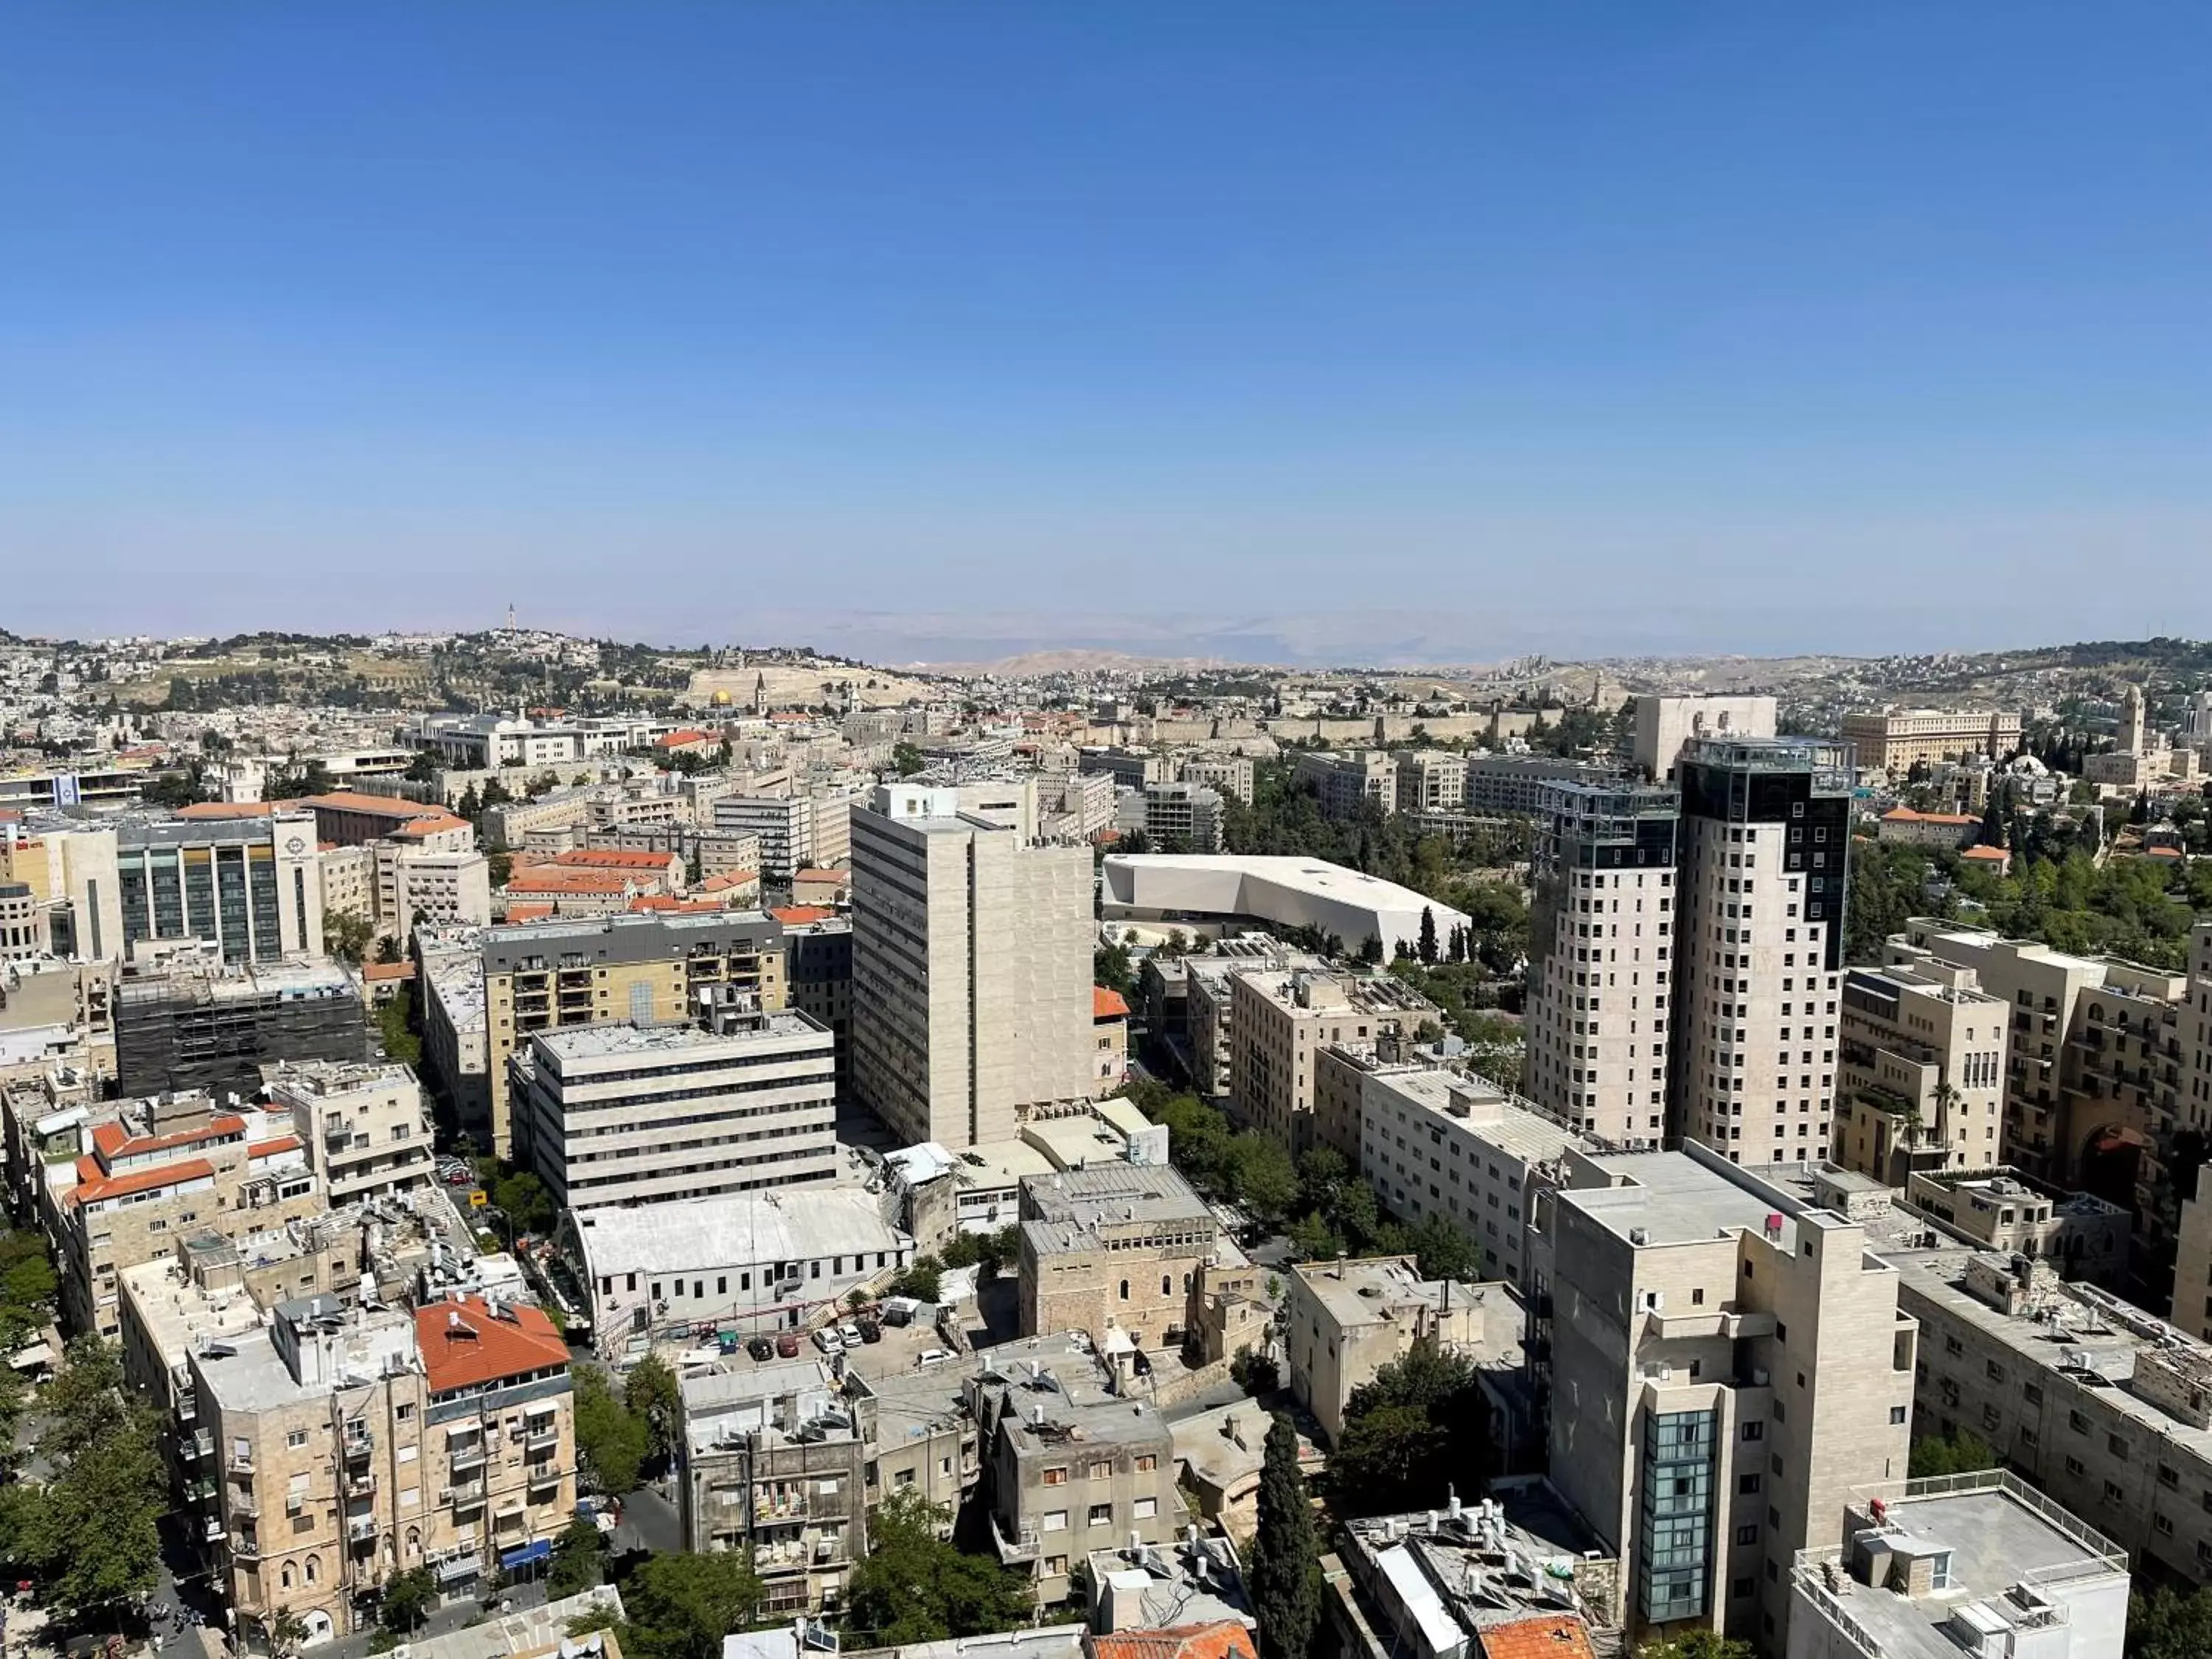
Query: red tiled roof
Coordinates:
[838,876]
[228,809]
[1107,1005]
[551,878]
[1225,1638]
[1906,815]
[271,1148]
[790,916]
[383,970]
[433,821]
[614,858]
[112,1142]
[463,1344]
[729,878]
[661,901]
[1993,854]
[682,740]
[389,806]
[97,1186]
[1555,1636]
[528,912]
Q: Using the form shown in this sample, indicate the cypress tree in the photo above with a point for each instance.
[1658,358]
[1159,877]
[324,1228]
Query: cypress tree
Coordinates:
[1285,1572]
[1428,946]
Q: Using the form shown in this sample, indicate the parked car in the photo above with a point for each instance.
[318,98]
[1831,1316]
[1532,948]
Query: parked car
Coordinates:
[760,1347]
[849,1335]
[459,1178]
[934,1356]
[870,1331]
[787,1345]
[828,1340]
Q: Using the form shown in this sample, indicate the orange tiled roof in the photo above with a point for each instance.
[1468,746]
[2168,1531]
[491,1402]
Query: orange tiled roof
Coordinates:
[1107,1005]
[463,1344]
[271,1148]
[228,809]
[1555,1636]
[660,901]
[1994,854]
[613,858]
[839,876]
[1225,1638]
[681,739]
[1906,815]
[383,970]
[434,821]
[528,912]
[790,916]
[389,806]
[554,878]
[92,1189]
[112,1142]
[727,880]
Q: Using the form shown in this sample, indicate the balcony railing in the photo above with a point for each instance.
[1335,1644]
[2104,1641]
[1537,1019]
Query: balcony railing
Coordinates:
[361,1527]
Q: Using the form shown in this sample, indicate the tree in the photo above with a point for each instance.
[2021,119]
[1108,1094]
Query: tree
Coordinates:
[681,1606]
[1109,967]
[579,1558]
[1696,1645]
[90,1530]
[916,1586]
[287,1633]
[2170,1624]
[408,1600]
[1285,1579]
[651,1393]
[1420,1427]
[346,934]
[1254,1373]
[906,759]
[1963,1452]
[1428,944]
[1261,1178]
[611,1444]
[528,1205]
[387,949]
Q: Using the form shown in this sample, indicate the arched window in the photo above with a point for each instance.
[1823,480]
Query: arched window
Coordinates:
[1186,1284]
[1167,1284]
[314,1570]
[414,1540]
[1124,1290]
[285,1576]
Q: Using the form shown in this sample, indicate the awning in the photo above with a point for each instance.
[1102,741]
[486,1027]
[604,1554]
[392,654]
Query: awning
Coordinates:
[527,1554]
[30,1358]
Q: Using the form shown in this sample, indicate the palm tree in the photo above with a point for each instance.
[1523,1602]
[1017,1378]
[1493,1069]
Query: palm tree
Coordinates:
[1946,1098]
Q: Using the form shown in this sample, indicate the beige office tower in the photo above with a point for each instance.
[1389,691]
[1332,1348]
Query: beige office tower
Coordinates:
[1600,958]
[971,974]
[1759,944]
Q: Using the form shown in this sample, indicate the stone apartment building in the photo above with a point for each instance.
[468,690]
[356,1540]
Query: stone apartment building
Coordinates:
[365,1127]
[1442,1145]
[634,969]
[149,1173]
[1895,740]
[352,1445]
[1345,783]
[1922,1059]
[1281,1020]
[1727,1365]
[1345,1320]
[772,1465]
[1114,1249]
[1072,1467]
[2104,1407]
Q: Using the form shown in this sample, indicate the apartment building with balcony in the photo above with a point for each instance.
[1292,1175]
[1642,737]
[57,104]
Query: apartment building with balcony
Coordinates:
[121,1184]
[1601,967]
[1921,1069]
[616,1115]
[772,1465]
[1727,1364]
[365,1127]
[1344,784]
[1071,1467]
[629,969]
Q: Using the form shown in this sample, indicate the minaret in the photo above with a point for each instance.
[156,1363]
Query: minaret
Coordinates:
[2131,720]
[760,694]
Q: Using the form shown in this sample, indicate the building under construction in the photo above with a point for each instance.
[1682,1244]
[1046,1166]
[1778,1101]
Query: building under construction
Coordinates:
[204,1027]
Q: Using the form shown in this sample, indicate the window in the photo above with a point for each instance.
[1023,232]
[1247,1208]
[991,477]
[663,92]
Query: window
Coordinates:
[1102,1470]
[404,1412]
[1124,1290]
[1102,1514]
[2114,1492]
[1147,1462]
[1897,1413]
[297,1438]
[1754,1430]
[2074,1467]
[1056,1476]
[2077,1422]
[1145,1509]
[2116,1445]
[1055,1520]
[1056,1565]
[1747,1484]
[1996,1371]
[1746,1535]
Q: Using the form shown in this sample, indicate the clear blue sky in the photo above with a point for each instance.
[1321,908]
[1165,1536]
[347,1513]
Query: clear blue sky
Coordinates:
[1449,328]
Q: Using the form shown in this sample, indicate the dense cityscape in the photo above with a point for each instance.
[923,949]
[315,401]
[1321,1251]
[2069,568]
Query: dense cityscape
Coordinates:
[518,1145]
